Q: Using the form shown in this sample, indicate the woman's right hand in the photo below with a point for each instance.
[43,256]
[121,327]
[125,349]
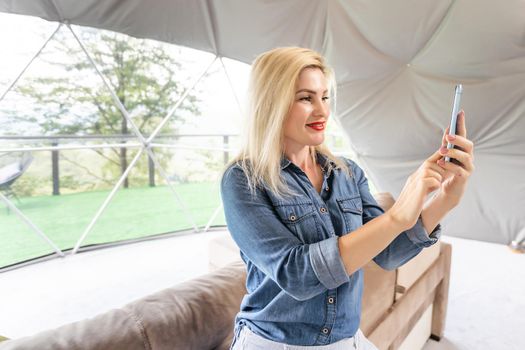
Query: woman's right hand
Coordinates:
[426,179]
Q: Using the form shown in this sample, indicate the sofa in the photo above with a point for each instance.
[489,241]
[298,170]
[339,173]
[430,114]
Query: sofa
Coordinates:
[401,308]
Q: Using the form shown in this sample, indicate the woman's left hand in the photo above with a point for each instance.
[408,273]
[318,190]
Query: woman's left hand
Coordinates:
[461,165]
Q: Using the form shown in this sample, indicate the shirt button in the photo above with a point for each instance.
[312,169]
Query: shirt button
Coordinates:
[325,330]
[293,217]
[323,210]
[330,300]
[327,188]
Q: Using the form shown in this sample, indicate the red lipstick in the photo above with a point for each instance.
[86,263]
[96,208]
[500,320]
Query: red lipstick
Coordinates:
[319,126]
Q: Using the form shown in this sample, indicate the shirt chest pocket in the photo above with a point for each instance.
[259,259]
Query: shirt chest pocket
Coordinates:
[352,212]
[300,219]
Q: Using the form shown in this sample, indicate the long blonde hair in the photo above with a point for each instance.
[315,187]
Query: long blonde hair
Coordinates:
[272,89]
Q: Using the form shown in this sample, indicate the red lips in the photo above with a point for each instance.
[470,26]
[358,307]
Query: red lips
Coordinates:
[319,126]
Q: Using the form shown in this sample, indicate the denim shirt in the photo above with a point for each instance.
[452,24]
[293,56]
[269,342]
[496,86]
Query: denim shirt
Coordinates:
[298,290]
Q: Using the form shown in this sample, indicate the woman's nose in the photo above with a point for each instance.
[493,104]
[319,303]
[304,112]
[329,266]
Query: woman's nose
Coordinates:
[321,109]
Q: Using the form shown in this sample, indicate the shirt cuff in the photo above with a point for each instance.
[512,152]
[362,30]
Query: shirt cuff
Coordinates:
[419,235]
[327,263]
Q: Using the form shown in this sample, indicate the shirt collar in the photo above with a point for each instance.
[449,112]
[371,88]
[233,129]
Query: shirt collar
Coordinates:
[326,164]
[285,162]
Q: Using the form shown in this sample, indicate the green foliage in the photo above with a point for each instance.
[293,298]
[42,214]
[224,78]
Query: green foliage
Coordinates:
[69,182]
[147,77]
[30,185]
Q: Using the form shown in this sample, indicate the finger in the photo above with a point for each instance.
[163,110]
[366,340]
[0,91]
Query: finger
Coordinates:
[446,172]
[464,158]
[435,167]
[433,170]
[431,184]
[435,157]
[455,168]
[452,153]
[434,174]
[444,140]
[461,129]
[462,142]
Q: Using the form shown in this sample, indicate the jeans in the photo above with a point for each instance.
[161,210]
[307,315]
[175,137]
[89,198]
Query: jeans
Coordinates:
[248,340]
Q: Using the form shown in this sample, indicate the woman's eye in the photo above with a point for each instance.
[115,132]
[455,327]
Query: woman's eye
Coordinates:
[309,98]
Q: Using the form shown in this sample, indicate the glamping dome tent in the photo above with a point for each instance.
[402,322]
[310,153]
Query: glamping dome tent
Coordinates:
[396,66]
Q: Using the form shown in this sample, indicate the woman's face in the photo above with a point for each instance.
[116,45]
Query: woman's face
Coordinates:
[306,121]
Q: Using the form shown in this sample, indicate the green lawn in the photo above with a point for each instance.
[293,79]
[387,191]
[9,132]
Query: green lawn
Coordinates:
[134,212]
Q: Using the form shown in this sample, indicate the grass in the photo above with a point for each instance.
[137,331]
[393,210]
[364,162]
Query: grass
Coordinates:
[133,213]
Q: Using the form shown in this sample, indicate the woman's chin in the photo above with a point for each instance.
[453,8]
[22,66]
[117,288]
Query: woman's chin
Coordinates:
[317,141]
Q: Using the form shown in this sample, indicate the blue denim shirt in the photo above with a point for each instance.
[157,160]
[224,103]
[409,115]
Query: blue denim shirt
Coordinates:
[298,290]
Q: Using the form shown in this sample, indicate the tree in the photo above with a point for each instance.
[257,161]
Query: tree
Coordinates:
[146,76]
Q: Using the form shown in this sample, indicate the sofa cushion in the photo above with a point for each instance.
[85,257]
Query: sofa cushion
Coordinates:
[195,315]
[198,314]
[115,329]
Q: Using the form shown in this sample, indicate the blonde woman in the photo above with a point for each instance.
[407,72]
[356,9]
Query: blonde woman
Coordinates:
[305,220]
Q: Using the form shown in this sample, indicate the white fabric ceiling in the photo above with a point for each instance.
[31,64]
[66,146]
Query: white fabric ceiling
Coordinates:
[396,64]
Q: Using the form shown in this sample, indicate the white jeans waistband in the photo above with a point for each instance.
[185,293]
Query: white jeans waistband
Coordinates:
[248,340]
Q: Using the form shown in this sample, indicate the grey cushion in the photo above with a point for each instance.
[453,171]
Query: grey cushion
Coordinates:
[115,329]
[197,314]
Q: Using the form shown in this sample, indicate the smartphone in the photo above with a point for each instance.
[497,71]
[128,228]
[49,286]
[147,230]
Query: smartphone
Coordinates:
[454,118]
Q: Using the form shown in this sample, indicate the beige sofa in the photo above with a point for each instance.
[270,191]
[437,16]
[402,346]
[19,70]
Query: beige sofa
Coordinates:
[401,308]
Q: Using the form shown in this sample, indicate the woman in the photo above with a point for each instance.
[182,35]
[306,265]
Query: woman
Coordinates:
[305,220]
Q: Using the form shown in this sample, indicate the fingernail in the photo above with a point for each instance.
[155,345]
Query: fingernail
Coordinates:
[441,161]
[443,150]
[451,137]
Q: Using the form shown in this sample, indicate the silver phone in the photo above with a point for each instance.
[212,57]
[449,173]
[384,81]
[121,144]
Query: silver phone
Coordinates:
[454,118]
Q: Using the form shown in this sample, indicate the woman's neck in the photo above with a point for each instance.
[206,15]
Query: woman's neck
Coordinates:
[308,165]
[301,157]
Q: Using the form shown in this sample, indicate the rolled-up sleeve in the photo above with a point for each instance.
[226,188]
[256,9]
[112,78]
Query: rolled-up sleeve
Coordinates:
[420,237]
[407,244]
[301,270]
[327,263]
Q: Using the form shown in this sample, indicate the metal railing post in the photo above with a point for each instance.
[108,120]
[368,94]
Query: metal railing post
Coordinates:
[151,171]
[55,170]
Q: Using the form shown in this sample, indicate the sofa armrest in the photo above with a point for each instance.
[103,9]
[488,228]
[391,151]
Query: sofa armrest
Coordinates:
[430,288]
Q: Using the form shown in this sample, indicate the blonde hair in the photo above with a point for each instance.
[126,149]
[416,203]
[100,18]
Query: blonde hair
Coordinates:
[272,90]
